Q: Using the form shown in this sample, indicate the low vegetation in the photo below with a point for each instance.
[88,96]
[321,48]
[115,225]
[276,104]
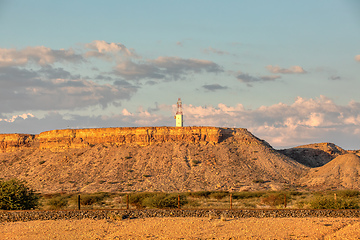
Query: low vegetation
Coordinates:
[157,200]
[16,195]
[344,199]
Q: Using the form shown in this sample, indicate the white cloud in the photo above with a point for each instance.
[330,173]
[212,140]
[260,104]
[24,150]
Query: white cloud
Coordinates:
[108,51]
[40,55]
[25,90]
[125,112]
[13,118]
[293,69]
[249,80]
[304,121]
[131,70]
[282,125]
[171,68]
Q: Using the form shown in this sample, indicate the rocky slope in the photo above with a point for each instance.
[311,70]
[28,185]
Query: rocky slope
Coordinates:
[314,155]
[189,159]
[170,159]
[341,172]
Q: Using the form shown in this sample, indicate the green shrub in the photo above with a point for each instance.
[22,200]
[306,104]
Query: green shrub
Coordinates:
[58,202]
[15,195]
[219,195]
[327,202]
[156,200]
[200,194]
[295,193]
[137,199]
[348,193]
[90,199]
[164,200]
[275,199]
[246,195]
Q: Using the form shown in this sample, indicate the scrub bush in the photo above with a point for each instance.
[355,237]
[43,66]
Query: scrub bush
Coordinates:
[15,195]
[327,202]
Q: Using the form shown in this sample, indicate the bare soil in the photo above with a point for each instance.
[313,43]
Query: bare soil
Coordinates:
[170,167]
[186,228]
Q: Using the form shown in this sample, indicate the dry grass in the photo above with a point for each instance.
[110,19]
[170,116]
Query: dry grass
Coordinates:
[199,200]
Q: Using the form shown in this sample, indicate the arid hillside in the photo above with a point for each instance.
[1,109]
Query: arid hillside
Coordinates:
[341,172]
[235,160]
[314,155]
[170,159]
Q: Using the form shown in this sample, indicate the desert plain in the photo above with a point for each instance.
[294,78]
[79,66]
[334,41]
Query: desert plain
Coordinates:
[185,228]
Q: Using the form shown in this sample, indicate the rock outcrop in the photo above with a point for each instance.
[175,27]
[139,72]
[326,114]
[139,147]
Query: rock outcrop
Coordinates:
[59,140]
[12,142]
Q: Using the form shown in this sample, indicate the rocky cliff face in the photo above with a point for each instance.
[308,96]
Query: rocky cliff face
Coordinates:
[12,142]
[60,140]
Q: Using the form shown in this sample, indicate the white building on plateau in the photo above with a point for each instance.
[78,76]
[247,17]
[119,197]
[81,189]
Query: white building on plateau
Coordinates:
[179,114]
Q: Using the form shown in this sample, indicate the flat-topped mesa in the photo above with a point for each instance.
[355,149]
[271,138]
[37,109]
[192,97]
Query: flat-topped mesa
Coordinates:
[59,140]
[12,142]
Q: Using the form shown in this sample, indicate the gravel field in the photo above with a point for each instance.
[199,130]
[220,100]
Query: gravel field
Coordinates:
[185,228]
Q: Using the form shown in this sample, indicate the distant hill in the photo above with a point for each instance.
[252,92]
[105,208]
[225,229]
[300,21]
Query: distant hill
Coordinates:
[314,155]
[341,172]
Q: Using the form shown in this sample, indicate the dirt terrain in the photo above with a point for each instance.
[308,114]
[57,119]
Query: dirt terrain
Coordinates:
[239,162]
[343,171]
[207,160]
[192,159]
[314,155]
[186,228]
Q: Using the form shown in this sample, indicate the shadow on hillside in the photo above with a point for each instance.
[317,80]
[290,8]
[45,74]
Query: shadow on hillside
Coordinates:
[226,133]
[308,156]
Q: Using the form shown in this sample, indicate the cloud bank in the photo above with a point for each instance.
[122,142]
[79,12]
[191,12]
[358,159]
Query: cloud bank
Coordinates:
[41,78]
[282,125]
[170,68]
[38,55]
[291,70]
[214,87]
[249,80]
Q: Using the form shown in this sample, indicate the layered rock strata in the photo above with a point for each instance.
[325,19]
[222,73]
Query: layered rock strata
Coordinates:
[12,142]
[60,140]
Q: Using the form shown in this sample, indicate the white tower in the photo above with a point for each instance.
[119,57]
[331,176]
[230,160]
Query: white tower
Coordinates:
[179,114]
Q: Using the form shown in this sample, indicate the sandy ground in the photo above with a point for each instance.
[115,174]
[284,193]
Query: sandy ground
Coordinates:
[186,228]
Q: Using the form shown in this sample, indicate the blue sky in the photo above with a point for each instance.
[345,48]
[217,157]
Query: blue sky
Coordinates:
[286,70]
